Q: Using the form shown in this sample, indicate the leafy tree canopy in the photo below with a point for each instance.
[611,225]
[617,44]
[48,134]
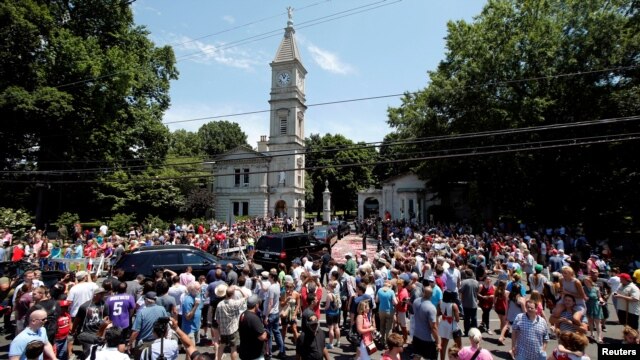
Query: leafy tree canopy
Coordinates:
[217,137]
[344,182]
[534,63]
[81,87]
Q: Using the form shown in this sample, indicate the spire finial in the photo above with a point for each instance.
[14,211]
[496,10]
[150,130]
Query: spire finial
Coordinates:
[290,15]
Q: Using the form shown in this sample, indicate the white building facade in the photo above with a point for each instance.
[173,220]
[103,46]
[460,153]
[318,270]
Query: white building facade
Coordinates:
[401,197]
[269,181]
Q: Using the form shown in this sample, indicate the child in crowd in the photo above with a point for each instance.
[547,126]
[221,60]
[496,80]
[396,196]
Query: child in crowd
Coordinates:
[64,326]
[537,298]
[629,335]
[571,346]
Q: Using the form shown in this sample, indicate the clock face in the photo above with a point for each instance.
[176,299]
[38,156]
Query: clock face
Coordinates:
[284,78]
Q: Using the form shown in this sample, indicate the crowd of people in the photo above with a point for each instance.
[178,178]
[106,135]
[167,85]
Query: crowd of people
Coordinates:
[425,290]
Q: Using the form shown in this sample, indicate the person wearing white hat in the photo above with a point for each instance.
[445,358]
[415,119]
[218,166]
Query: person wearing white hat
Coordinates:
[227,315]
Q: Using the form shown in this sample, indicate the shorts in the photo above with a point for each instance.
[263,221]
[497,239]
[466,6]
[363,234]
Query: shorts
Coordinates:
[231,340]
[333,319]
[426,349]
[287,322]
[402,319]
[500,312]
[250,247]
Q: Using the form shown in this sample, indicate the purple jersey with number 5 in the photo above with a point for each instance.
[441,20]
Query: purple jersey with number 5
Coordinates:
[121,307]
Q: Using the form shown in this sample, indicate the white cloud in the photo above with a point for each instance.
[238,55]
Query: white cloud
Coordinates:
[329,61]
[205,53]
[229,19]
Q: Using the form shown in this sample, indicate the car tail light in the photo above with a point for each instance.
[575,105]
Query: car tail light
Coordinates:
[283,255]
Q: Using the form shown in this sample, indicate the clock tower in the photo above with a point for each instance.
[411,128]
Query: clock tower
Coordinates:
[286,132]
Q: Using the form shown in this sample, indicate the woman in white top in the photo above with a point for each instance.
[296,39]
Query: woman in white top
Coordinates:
[448,327]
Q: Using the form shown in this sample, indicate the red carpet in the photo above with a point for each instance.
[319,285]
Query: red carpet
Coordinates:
[352,243]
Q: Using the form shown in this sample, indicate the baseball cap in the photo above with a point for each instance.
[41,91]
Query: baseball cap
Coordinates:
[348,255]
[625,276]
[264,275]
[151,295]
[81,275]
[99,291]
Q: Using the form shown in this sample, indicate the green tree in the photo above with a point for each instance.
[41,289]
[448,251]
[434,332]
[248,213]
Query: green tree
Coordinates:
[392,149]
[500,72]
[217,137]
[17,221]
[339,160]
[81,87]
[199,201]
[185,143]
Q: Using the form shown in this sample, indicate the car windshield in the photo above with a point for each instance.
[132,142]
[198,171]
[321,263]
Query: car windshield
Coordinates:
[320,233]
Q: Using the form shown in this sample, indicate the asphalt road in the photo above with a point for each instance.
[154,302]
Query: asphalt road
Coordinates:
[353,243]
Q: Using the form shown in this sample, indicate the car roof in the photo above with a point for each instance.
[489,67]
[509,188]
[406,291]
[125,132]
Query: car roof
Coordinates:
[284,235]
[166,248]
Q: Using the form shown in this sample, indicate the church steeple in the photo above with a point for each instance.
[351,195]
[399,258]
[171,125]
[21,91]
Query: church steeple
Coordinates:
[288,49]
[287,91]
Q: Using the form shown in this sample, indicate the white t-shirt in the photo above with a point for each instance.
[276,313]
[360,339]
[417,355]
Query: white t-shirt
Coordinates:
[110,354]
[453,274]
[308,265]
[176,291]
[614,283]
[80,294]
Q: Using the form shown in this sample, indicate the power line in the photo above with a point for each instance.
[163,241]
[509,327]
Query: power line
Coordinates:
[376,97]
[302,25]
[360,146]
[247,24]
[471,151]
[244,41]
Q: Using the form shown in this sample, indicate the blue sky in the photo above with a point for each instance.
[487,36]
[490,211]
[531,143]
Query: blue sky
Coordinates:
[379,51]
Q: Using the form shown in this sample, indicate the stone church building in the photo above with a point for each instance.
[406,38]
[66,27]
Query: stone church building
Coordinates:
[269,181]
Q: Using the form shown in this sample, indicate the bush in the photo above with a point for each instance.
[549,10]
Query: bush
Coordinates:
[67,220]
[155,222]
[18,221]
[121,223]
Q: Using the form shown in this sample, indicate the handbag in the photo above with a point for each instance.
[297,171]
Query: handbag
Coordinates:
[371,348]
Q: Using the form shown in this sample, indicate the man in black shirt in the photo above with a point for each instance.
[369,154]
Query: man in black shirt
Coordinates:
[252,333]
[311,342]
[89,319]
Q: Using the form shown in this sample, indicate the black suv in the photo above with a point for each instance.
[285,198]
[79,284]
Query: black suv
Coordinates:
[147,259]
[284,247]
[342,228]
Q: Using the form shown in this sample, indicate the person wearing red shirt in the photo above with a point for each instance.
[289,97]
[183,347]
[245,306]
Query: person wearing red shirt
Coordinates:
[311,284]
[485,295]
[64,327]
[18,253]
[401,308]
